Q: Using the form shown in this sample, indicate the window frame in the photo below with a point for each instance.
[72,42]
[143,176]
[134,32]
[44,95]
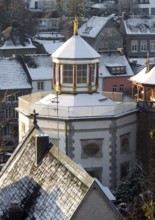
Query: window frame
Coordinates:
[40,85]
[152,45]
[134,46]
[80,78]
[143,46]
[114,88]
[121,88]
[67,73]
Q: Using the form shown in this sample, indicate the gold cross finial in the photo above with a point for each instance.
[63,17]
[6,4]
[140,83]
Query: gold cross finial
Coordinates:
[147,63]
[76,26]
[34,117]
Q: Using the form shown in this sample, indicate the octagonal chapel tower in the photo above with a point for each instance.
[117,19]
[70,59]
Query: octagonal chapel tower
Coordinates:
[75,66]
[87,126]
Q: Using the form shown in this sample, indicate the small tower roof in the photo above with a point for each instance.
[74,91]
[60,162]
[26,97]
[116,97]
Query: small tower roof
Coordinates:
[75,48]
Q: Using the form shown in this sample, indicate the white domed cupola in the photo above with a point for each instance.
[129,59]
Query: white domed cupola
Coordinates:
[75,66]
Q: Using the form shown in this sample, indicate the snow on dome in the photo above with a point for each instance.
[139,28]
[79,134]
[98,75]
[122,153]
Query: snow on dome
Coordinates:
[78,100]
[75,48]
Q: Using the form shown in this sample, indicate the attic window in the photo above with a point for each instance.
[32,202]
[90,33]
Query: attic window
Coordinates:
[117,70]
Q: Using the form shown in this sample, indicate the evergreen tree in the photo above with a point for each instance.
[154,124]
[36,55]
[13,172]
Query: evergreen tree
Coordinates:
[134,199]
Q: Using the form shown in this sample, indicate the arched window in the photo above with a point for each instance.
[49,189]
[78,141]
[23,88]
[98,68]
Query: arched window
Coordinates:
[124,148]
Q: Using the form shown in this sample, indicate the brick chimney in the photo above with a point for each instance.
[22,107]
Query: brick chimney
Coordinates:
[42,146]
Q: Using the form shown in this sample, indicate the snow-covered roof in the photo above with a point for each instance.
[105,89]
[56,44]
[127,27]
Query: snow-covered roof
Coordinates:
[39,66]
[12,75]
[8,45]
[140,25]
[75,48]
[103,5]
[49,45]
[50,40]
[93,26]
[144,77]
[113,59]
[65,100]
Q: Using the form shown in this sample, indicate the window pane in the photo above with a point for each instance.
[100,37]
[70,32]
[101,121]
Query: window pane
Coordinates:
[114,89]
[82,73]
[40,85]
[152,45]
[143,46]
[134,45]
[68,73]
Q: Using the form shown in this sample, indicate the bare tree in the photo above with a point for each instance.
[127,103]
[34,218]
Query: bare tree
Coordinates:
[14,13]
[128,6]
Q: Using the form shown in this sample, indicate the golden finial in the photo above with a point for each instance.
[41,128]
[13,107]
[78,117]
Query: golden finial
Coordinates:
[147,63]
[76,26]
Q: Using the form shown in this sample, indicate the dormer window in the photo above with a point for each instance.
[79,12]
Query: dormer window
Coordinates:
[115,70]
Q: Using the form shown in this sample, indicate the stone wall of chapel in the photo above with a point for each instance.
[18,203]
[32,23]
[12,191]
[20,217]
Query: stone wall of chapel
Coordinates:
[106,134]
[95,144]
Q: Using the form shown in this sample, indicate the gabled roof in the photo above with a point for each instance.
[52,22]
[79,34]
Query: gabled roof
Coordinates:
[144,77]
[39,66]
[114,59]
[93,26]
[75,48]
[13,75]
[52,189]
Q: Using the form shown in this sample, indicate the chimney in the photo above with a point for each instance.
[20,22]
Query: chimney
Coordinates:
[42,146]
[15,211]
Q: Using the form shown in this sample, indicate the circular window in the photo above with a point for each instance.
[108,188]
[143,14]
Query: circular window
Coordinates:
[91,149]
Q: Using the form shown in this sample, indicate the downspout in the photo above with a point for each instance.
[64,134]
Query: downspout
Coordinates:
[66,137]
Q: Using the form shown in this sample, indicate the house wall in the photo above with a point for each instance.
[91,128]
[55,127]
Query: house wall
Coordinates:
[139,53]
[145,145]
[95,207]
[9,122]
[109,38]
[109,82]
[42,4]
[10,52]
[47,85]
[148,6]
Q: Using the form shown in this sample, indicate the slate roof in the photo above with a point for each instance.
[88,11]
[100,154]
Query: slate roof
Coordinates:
[113,59]
[140,25]
[93,26]
[39,66]
[12,75]
[52,189]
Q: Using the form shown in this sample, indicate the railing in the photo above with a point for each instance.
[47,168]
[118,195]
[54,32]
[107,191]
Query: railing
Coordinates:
[76,111]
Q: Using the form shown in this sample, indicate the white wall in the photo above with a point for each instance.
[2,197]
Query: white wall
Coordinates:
[47,85]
